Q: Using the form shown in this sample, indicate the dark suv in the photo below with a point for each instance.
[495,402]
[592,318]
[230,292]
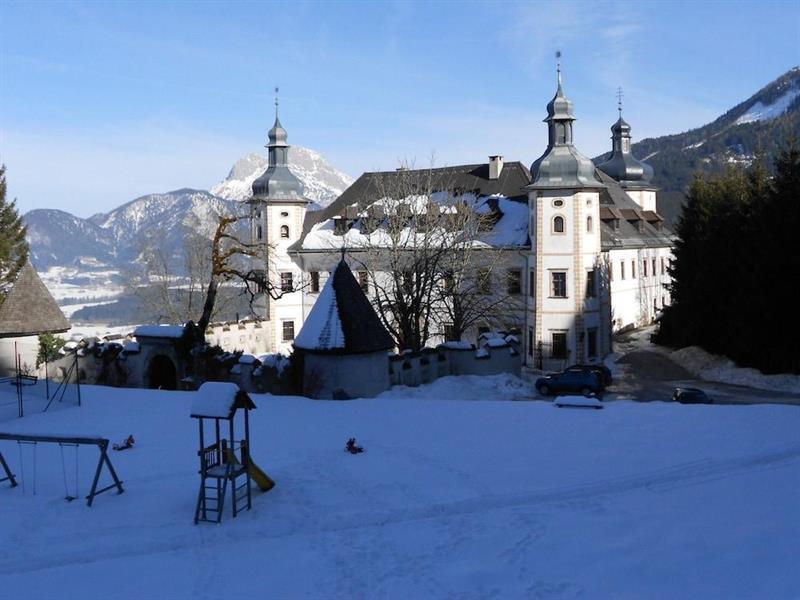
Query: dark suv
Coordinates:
[584,382]
[602,371]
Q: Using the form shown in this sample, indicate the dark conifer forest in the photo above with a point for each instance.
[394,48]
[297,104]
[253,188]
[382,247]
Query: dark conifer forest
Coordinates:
[737,264]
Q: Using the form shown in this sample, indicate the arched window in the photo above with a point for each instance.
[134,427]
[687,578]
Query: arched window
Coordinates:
[285,231]
[589,224]
[259,232]
[561,133]
[558,224]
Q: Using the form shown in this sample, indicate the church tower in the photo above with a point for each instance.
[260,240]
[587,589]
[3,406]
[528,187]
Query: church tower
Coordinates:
[277,211]
[632,174]
[565,322]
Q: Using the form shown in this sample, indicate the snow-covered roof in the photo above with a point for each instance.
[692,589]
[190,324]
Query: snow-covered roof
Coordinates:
[510,229]
[219,400]
[162,331]
[342,319]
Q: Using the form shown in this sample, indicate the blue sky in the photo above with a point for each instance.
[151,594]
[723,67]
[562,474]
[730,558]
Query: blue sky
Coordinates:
[104,102]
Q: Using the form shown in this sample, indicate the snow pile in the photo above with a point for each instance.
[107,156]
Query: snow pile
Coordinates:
[719,368]
[760,112]
[578,402]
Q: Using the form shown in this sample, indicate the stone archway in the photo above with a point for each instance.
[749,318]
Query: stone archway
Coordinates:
[162,374]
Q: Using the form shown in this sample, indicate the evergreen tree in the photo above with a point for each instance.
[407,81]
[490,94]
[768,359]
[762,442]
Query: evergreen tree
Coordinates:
[733,288]
[13,246]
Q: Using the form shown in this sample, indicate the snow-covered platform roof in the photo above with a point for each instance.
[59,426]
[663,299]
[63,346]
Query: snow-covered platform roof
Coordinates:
[219,400]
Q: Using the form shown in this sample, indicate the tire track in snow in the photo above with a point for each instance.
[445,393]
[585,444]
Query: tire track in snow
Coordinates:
[683,474]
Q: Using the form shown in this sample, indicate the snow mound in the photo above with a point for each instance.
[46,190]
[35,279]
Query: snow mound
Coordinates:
[712,367]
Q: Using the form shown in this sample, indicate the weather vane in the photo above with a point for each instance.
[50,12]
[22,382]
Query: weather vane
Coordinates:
[619,100]
[276,100]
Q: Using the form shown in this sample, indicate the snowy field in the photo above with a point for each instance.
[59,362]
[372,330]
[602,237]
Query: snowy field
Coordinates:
[466,490]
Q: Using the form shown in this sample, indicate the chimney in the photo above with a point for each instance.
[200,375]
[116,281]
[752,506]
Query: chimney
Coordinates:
[495,167]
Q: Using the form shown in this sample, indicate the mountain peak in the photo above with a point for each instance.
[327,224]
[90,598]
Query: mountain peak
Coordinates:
[323,183]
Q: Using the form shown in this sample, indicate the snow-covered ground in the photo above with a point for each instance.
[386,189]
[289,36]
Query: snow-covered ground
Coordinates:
[475,499]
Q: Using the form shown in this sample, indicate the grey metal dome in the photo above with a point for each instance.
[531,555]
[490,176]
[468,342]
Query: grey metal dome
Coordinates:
[278,182]
[562,165]
[622,165]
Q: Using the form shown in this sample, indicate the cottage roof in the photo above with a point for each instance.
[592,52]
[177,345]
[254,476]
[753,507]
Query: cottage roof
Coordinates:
[29,308]
[342,320]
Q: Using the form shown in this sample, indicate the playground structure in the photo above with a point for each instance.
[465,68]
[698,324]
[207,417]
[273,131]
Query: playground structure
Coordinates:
[35,392]
[219,463]
[76,441]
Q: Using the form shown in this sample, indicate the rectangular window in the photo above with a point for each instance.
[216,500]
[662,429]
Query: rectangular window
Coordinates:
[591,289]
[663,266]
[314,281]
[654,267]
[610,271]
[559,344]
[287,283]
[559,288]
[633,269]
[449,282]
[288,331]
[408,282]
[514,281]
[450,333]
[644,268]
[591,342]
[530,341]
[363,281]
[484,281]
[532,283]
[622,269]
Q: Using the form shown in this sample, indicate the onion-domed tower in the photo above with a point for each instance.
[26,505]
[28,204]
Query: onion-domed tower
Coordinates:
[564,315]
[632,174]
[277,210]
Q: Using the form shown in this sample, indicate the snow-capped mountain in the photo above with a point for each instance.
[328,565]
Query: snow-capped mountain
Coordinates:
[323,183]
[164,220]
[58,238]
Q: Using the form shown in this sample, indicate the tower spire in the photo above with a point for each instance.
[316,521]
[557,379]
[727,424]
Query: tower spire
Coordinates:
[558,66]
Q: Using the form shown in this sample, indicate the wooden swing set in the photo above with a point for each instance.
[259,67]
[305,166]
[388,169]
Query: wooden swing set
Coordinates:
[62,441]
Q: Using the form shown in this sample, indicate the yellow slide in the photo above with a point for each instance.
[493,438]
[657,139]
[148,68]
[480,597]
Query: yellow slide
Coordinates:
[262,479]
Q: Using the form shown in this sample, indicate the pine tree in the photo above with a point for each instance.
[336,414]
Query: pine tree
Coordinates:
[13,246]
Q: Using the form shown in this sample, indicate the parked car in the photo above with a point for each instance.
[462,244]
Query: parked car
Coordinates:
[583,382]
[602,371]
[691,396]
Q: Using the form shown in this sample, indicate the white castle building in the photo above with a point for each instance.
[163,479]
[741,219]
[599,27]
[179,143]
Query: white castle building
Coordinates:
[583,251]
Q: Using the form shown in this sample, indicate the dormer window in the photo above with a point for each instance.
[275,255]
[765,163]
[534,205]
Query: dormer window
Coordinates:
[285,232]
